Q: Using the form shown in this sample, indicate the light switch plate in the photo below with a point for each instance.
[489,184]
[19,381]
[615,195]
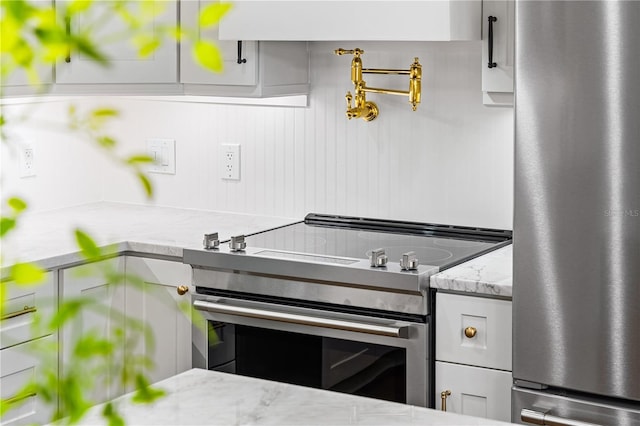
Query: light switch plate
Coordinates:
[163,151]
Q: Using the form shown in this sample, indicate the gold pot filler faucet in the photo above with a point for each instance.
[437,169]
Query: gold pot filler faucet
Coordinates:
[368,110]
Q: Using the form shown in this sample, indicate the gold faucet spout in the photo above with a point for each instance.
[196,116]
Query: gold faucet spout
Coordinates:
[368,110]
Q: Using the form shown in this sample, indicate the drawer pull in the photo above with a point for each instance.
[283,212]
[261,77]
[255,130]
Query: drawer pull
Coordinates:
[470,332]
[26,310]
[18,398]
[182,290]
[443,399]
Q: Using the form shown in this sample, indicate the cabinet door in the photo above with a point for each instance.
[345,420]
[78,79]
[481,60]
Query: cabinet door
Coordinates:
[125,64]
[497,81]
[89,282]
[18,366]
[21,305]
[473,330]
[152,297]
[474,391]
[391,20]
[235,74]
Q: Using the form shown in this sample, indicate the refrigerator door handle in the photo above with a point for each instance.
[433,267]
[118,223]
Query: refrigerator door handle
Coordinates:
[540,418]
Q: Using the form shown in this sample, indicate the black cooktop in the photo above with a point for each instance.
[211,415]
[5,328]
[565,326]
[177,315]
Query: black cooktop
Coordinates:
[351,237]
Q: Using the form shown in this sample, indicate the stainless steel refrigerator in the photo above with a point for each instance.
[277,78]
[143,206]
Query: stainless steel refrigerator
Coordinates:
[576,296]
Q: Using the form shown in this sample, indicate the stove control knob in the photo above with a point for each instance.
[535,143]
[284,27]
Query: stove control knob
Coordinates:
[237,243]
[377,258]
[211,241]
[409,261]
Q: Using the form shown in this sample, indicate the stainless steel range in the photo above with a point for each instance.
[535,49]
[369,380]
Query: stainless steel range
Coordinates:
[332,302]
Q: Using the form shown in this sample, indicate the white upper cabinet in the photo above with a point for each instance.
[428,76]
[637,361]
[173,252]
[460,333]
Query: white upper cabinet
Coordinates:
[17,83]
[497,79]
[417,20]
[126,66]
[251,68]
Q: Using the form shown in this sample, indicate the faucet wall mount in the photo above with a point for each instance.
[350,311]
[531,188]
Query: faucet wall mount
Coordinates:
[368,110]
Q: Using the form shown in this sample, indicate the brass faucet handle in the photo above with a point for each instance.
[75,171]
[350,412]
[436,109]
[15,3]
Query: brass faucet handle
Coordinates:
[357,52]
[349,98]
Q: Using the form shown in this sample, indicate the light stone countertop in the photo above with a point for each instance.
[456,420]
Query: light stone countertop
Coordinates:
[490,274]
[199,397]
[47,238]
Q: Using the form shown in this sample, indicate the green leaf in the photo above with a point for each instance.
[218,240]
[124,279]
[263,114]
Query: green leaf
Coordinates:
[22,54]
[137,159]
[146,184]
[106,142]
[18,9]
[86,48]
[6,225]
[211,15]
[17,204]
[27,273]
[104,112]
[3,121]
[146,44]
[88,247]
[68,311]
[208,55]
[109,412]
[90,345]
[144,392]
[79,6]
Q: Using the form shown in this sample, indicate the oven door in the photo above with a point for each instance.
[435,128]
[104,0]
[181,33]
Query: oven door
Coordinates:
[351,353]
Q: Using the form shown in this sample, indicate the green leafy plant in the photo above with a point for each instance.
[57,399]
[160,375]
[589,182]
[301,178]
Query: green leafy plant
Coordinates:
[34,35]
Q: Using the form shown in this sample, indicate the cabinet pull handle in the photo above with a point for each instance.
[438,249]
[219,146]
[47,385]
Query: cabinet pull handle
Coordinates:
[182,290]
[26,310]
[539,418]
[17,398]
[443,399]
[67,25]
[470,332]
[491,64]
[241,60]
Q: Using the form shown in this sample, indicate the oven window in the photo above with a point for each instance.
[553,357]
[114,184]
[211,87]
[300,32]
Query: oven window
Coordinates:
[346,366]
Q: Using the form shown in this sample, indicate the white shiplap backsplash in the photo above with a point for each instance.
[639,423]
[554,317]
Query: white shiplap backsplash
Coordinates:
[450,162]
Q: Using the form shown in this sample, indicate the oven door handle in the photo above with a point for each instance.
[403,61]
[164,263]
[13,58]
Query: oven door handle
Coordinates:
[360,327]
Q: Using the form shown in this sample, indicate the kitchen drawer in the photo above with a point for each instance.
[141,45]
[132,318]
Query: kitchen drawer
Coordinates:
[21,306]
[474,391]
[491,319]
[18,366]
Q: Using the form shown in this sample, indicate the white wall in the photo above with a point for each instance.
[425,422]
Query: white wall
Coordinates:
[69,169]
[450,162]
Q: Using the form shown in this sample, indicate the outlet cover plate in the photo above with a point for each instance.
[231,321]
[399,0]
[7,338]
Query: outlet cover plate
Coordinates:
[27,161]
[230,161]
[163,151]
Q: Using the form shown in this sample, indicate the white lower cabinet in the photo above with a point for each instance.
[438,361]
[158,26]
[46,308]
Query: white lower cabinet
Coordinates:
[152,297]
[103,317]
[473,355]
[474,391]
[21,305]
[149,299]
[146,292]
[19,342]
[18,366]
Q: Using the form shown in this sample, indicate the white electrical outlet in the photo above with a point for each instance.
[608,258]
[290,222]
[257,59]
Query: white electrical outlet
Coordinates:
[163,152]
[230,161]
[27,161]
